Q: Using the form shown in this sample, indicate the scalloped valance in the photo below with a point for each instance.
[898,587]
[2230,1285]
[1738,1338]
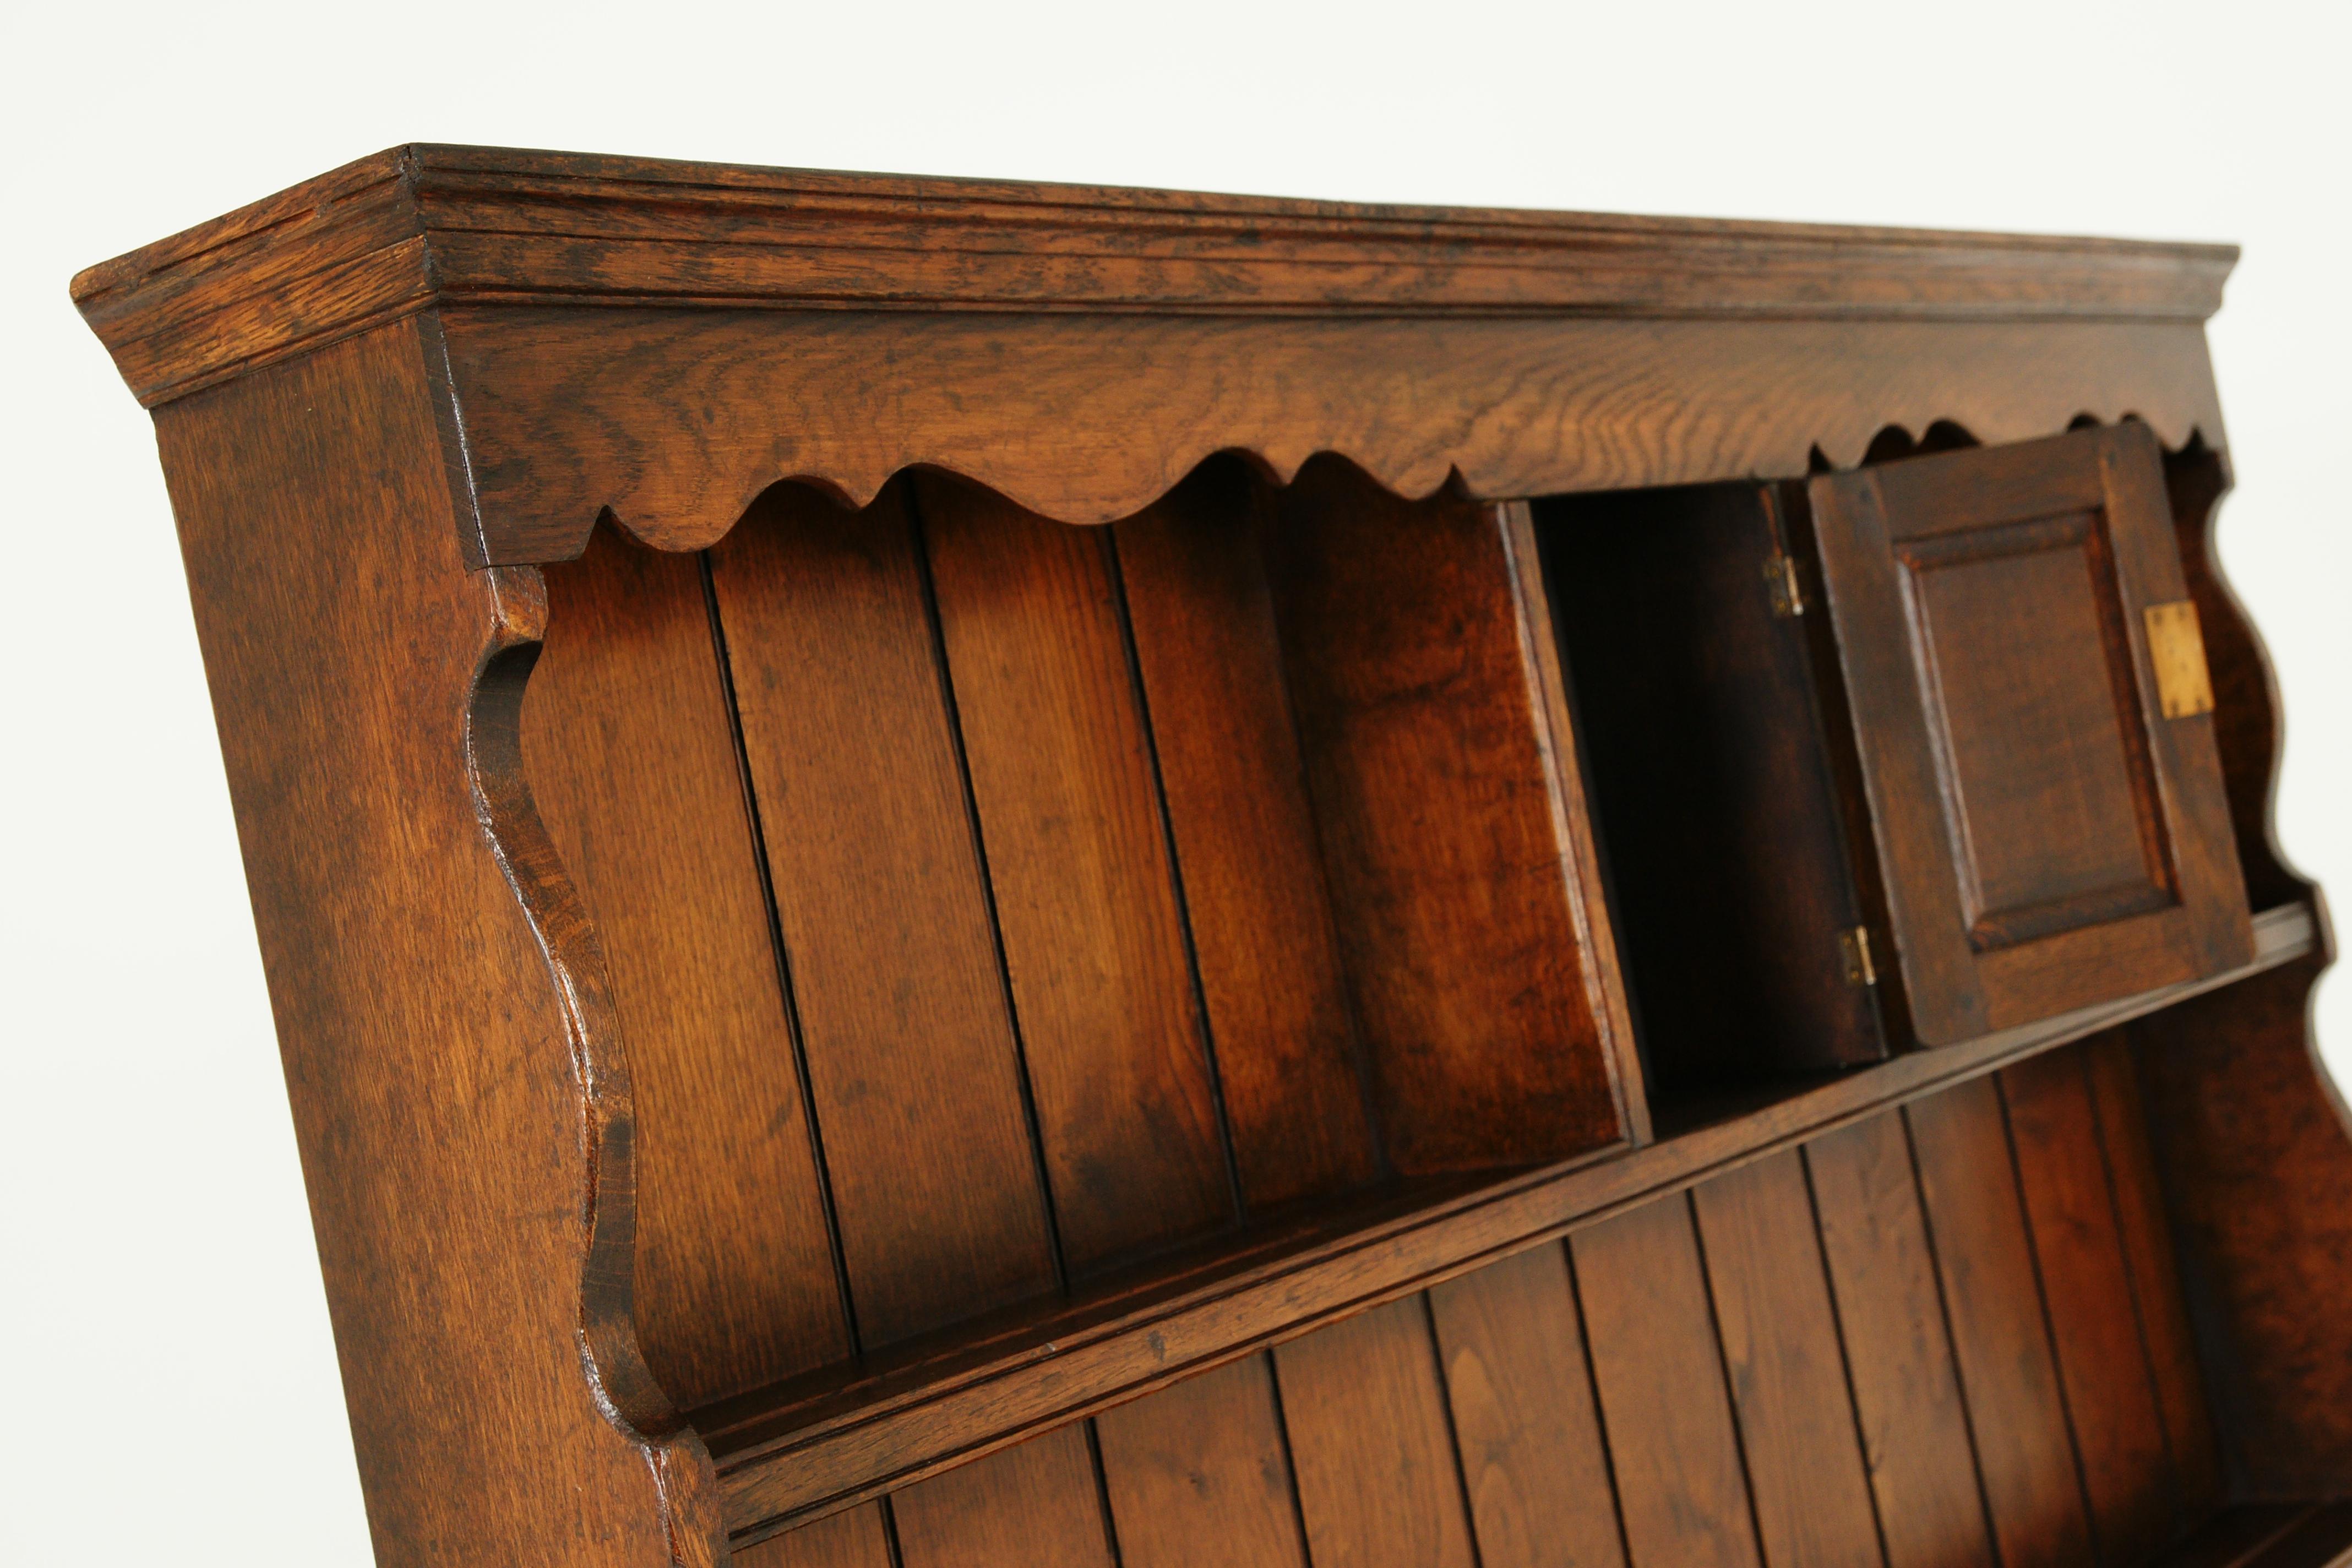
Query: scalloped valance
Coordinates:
[1081,349]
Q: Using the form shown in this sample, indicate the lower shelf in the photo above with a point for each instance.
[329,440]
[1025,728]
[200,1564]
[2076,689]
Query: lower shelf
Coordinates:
[788,1453]
[2269,1535]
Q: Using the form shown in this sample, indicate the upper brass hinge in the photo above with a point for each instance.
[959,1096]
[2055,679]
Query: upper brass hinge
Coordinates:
[1781,580]
[1855,947]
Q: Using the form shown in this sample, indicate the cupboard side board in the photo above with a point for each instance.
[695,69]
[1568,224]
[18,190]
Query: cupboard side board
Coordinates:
[2251,1133]
[439,1024]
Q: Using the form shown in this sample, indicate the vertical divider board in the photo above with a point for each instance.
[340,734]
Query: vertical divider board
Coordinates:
[1451,829]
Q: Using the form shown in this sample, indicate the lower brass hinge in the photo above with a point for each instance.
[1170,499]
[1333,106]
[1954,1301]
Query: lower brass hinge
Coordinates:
[1781,581]
[1854,946]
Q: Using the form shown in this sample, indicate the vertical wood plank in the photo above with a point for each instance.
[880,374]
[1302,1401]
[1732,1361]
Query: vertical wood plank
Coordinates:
[1206,645]
[879,894]
[1198,1475]
[851,1539]
[1786,1368]
[1378,1482]
[1524,1420]
[1658,1370]
[629,745]
[1034,1504]
[1915,1428]
[1439,813]
[2094,1321]
[1999,1340]
[1063,779]
[2147,1236]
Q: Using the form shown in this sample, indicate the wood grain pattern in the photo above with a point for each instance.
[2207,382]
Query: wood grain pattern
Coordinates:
[2045,835]
[1287,1056]
[2251,1137]
[1198,1475]
[418,222]
[780,1456]
[1681,1485]
[1034,1504]
[1898,1350]
[1520,1392]
[854,1539]
[880,900]
[1438,801]
[1779,1333]
[1999,1337]
[2094,1318]
[1068,803]
[627,742]
[1378,1482]
[344,716]
[2145,1230]
[665,416]
[2246,707]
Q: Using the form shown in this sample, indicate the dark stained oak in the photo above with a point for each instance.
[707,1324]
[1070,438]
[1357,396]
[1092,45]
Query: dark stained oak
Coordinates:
[394,231]
[1438,797]
[1782,1356]
[2047,834]
[1198,1475]
[2144,1229]
[1067,801]
[2095,1320]
[788,1449]
[836,1019]
[2000,1333]
[2240,1112]
[1898,1347]
[1033,1504]
[1379,1484]
[1673,1442]
[1288,1058]
[1520,1393]
[627,739]
[344,722]
[884,913]
[854,1539]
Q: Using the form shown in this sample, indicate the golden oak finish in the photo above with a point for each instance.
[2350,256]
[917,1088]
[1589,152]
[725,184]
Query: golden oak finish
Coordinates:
[1616,920]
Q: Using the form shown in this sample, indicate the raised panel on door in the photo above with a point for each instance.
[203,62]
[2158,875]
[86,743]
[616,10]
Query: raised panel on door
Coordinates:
[2036,741]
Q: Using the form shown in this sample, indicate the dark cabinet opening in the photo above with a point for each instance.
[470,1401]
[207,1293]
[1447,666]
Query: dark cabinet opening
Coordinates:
[1895,757]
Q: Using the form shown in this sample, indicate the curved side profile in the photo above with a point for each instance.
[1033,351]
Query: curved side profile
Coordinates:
[626,1391]
[2254,1134]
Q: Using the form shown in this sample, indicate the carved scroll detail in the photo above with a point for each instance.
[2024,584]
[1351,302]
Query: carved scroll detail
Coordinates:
[624,1388]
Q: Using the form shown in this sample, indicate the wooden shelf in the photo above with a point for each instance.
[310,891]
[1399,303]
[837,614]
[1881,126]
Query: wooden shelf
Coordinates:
[2268,1535]
[793,1451]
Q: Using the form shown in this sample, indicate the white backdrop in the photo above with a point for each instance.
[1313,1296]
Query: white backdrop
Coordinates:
[172,1395]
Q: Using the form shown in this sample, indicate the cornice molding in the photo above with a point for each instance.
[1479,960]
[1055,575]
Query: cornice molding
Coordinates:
[416,226]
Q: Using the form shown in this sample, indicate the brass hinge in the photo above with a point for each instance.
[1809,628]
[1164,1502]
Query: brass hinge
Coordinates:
[1781,580]
[1855,946]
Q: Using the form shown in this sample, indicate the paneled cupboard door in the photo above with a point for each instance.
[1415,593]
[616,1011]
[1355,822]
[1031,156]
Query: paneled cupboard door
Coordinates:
[2034,726]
